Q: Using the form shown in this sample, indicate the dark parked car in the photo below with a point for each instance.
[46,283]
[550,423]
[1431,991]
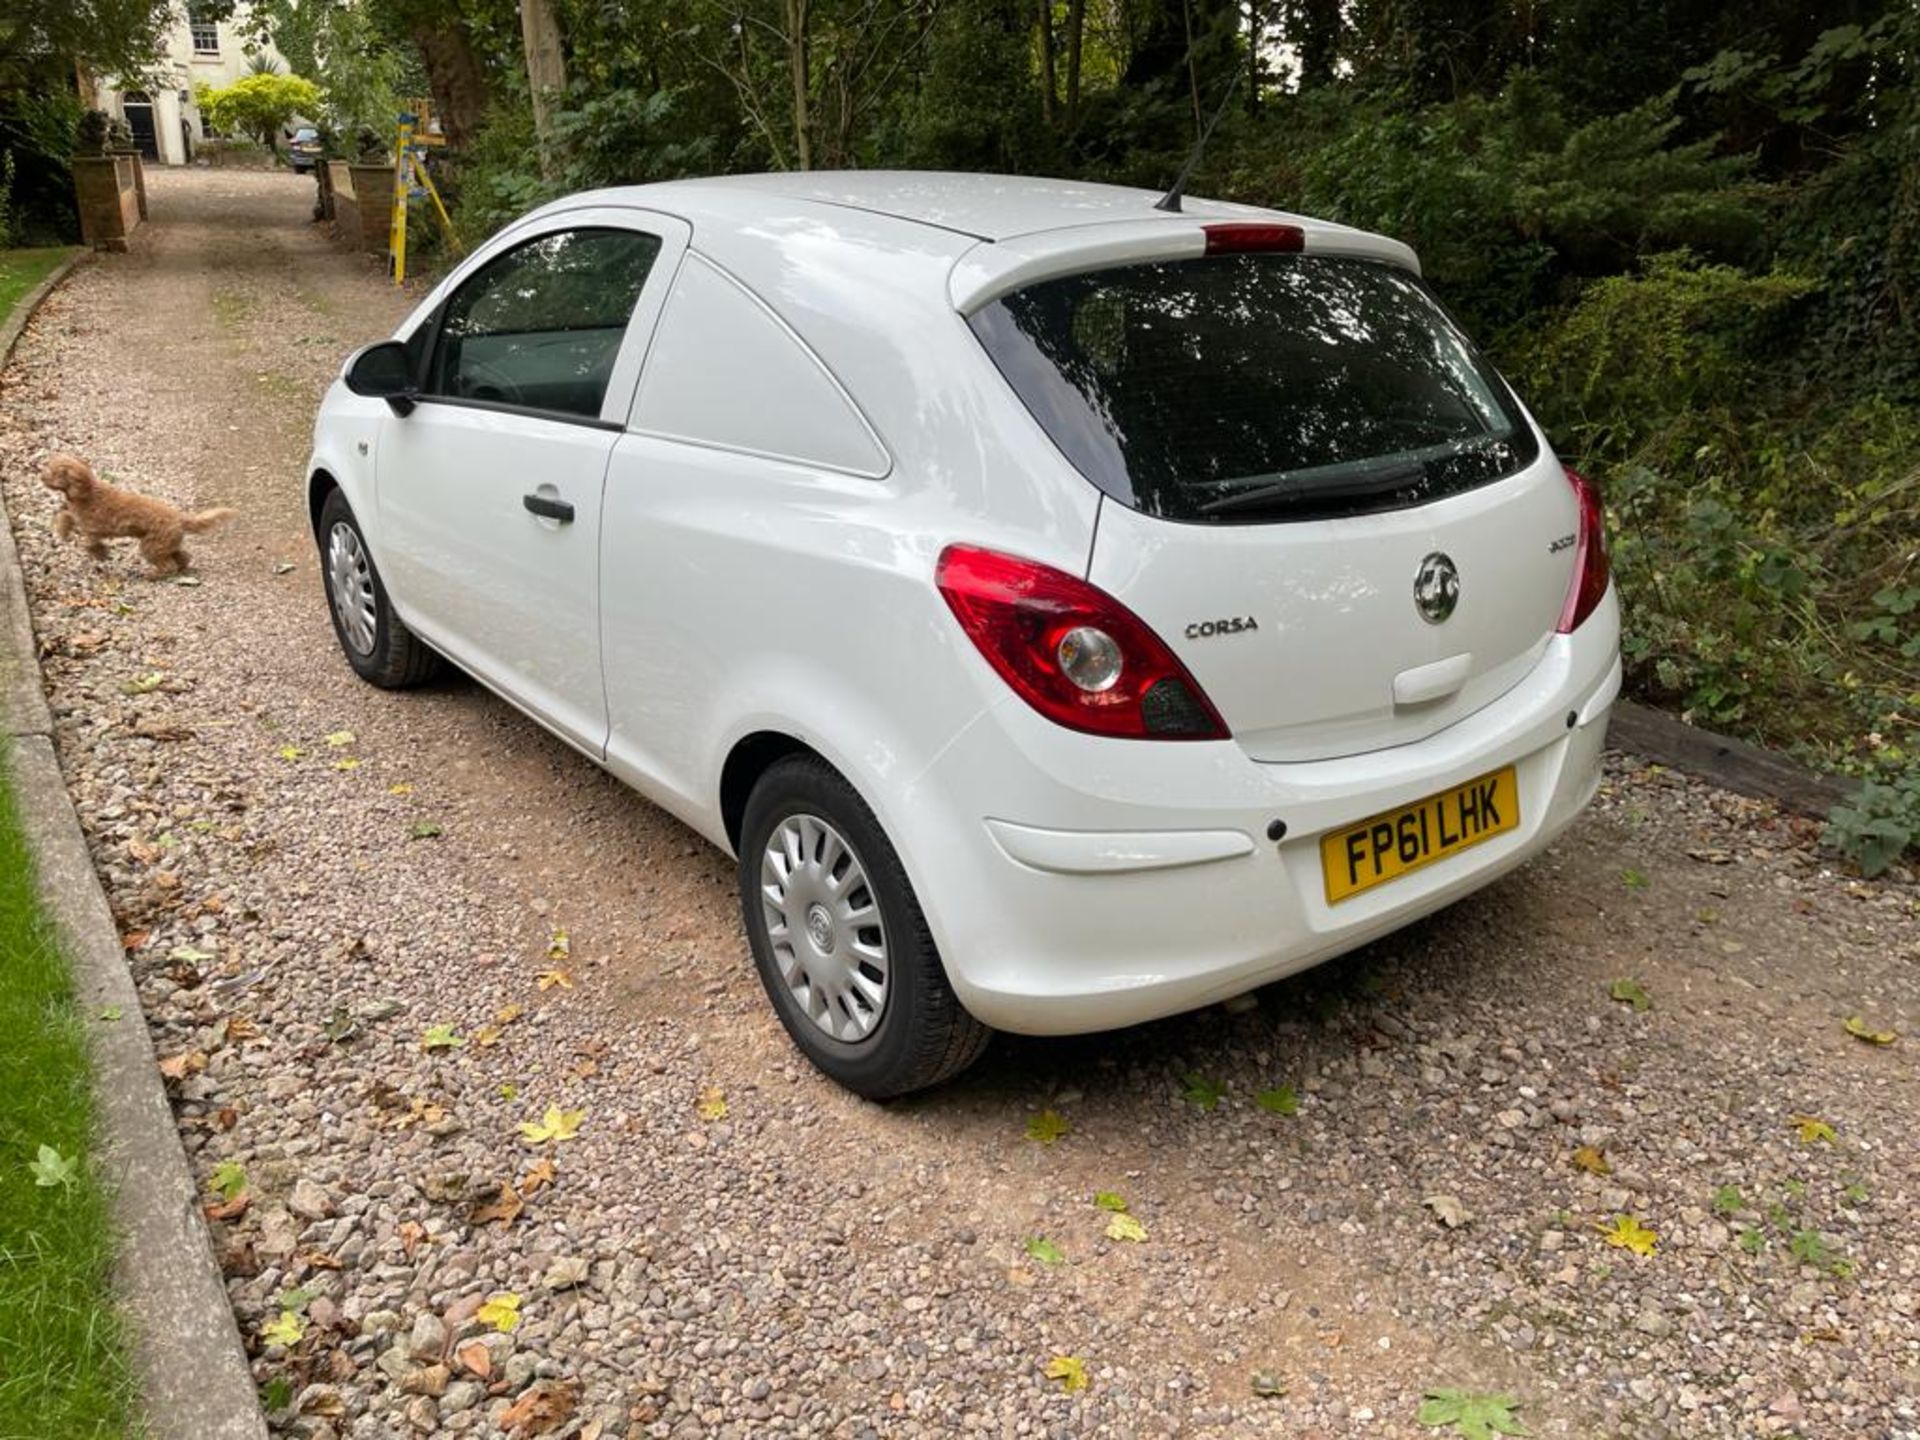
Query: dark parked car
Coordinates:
[304,150]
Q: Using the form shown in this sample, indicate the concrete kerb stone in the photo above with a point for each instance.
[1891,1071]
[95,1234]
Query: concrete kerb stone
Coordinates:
[195,1383]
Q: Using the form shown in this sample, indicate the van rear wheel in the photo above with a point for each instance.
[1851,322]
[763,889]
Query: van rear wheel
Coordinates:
[840,941]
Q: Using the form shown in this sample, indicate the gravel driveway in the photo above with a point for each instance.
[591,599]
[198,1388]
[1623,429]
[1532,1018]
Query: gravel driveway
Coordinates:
[324,888]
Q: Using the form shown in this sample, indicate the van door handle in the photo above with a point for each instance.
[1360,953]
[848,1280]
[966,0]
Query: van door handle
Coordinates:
[548,508]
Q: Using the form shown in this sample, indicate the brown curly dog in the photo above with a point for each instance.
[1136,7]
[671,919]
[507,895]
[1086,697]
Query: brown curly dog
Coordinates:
[97,512]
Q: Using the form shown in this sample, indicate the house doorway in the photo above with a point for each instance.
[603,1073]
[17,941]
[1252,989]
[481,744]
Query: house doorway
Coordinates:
[138,109]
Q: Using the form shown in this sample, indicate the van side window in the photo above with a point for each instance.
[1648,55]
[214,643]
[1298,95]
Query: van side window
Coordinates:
[539,327]
[724,371]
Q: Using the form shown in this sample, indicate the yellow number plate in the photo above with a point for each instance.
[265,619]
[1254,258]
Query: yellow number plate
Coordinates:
[1388,846]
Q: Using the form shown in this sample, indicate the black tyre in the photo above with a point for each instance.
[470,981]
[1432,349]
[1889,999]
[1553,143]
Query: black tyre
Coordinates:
[375,641]
[839,939]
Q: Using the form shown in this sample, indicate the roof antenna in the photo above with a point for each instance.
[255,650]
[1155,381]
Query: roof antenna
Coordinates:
[1170,202]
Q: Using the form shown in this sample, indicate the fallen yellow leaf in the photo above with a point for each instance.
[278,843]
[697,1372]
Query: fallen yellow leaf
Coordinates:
[1860,1030]
[547,979]
[1589,1159]
[712,1104]
[1069,1370]
[1124,1227]
[556,1125]
[1812,1131]
[1629,1234]
[502,1311]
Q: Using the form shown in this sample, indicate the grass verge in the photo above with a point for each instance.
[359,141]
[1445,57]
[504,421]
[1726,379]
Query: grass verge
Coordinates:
[21,270]
[63,1366]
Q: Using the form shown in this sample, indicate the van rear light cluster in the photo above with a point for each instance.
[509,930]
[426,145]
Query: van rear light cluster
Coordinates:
[1242,237]
[1591,568]
[1072,651]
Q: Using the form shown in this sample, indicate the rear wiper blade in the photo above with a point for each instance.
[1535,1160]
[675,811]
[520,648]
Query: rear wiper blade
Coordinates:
[1285,494]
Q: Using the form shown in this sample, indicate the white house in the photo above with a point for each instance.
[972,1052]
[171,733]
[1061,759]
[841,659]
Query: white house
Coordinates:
[158,107]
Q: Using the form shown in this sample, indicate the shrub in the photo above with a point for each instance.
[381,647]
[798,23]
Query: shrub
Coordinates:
[258,105]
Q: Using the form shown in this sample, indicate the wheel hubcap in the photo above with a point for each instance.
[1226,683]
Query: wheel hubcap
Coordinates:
[823,923]
[350,583]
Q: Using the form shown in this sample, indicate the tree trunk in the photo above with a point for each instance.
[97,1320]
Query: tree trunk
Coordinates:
[1315,33]
[546,75]
[1047,92]
[455,78]
[1255,37]
[797,73]
[1076,31]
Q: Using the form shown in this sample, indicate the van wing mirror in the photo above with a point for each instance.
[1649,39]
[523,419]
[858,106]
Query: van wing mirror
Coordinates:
[383,372]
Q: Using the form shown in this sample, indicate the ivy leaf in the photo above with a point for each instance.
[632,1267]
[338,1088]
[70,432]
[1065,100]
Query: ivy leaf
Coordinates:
[1203,1092]
[296,1300]
[1047,1127]
[1630,992]
[1589,1159]
[1860,1030]
[228,1181]
[1476,1416]
[502,1311]
[1125,1227]
[441,1037]
[1110,1200]
[1281,1100]
[50,1168]
[555,1125]
[712,1104]
[1812,1131]
[1629,1234]
[284,1331]
[1045,1251]
[1069,1370]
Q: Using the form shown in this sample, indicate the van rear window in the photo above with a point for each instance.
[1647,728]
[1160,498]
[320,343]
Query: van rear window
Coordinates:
[1257,387]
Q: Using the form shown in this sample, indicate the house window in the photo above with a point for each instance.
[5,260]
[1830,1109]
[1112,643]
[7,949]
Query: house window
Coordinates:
[205,33]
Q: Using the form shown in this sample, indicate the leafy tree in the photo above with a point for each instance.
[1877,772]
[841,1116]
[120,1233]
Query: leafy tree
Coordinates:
[259,105]
[101,37]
